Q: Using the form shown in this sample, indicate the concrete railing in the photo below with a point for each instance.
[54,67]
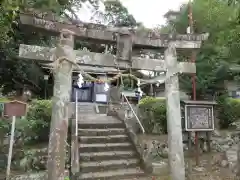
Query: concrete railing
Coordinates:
[132,127]
[135,115]
[74,140]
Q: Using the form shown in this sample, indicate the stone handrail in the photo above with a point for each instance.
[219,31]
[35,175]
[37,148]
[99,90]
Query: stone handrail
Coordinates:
[74,141]
[138,120]
[119,110]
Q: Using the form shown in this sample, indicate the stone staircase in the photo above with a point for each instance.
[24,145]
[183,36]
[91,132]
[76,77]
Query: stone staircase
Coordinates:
[86,108]
[106,151]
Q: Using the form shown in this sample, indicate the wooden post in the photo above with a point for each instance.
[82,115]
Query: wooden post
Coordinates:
[174,125]
[193,59]
[74,141]
[10,148]
[208,135]
[63,56]
[190,155]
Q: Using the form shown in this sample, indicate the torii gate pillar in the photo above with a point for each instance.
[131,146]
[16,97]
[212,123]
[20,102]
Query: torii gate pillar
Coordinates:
[63,58]
[174,126]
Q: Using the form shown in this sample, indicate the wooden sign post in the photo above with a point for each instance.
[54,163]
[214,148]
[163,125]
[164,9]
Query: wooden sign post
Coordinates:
[199,117]
[13,109]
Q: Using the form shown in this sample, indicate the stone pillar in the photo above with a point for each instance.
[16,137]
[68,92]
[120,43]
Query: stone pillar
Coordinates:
[63,56]
[174,126]
[151,90]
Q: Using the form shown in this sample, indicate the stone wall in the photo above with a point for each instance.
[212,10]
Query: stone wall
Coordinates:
[133,131]
[224,146]
[31,176]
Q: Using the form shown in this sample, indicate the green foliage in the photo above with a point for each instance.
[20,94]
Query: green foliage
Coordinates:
[67,178]
[118,15]
[221,49]
[229,111]
[4,128]
[153,112]
[38,121]
[11,36]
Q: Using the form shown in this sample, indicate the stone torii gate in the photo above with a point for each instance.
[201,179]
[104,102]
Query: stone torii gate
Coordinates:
[64,57]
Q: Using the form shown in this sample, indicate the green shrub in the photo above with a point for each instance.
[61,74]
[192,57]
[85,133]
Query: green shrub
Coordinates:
[229,111]
[38,120]
[35,127]
[153,112]
[4,129]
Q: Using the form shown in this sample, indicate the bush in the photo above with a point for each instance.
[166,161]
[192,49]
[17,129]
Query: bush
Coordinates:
[35,127]
[4,129]
[229,111]
[38,120]
[153,112]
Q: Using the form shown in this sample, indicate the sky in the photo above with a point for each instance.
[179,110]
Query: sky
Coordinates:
[148,12]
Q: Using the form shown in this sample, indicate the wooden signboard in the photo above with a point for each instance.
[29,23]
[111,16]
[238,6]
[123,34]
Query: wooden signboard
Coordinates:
[15,108]
[199,116]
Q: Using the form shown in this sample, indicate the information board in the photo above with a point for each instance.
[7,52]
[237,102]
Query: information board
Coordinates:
[15,108]
[199,118]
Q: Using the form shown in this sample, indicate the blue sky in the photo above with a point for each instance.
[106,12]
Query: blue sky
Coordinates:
[149,12]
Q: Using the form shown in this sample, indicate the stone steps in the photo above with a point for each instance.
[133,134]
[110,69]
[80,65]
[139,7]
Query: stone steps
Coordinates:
[106,152]
[113,174]
[101,132]
[105,147]
[99,166]
[103,139]
[110,155]
[86,108]
[100,125]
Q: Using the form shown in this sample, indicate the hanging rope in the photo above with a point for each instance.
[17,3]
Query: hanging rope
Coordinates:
[57,64]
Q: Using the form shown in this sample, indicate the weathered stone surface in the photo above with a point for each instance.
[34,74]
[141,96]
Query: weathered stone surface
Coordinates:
[132,128]
[45,54]
[34,159]
[42,175]
[227,145]
[63,55]
[160,168]
[88,69]
[31,176]
[107,34]
[103,157]
[154,150]
[174,126]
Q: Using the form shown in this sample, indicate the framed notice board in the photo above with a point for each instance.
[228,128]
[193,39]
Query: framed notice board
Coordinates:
[199,116]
